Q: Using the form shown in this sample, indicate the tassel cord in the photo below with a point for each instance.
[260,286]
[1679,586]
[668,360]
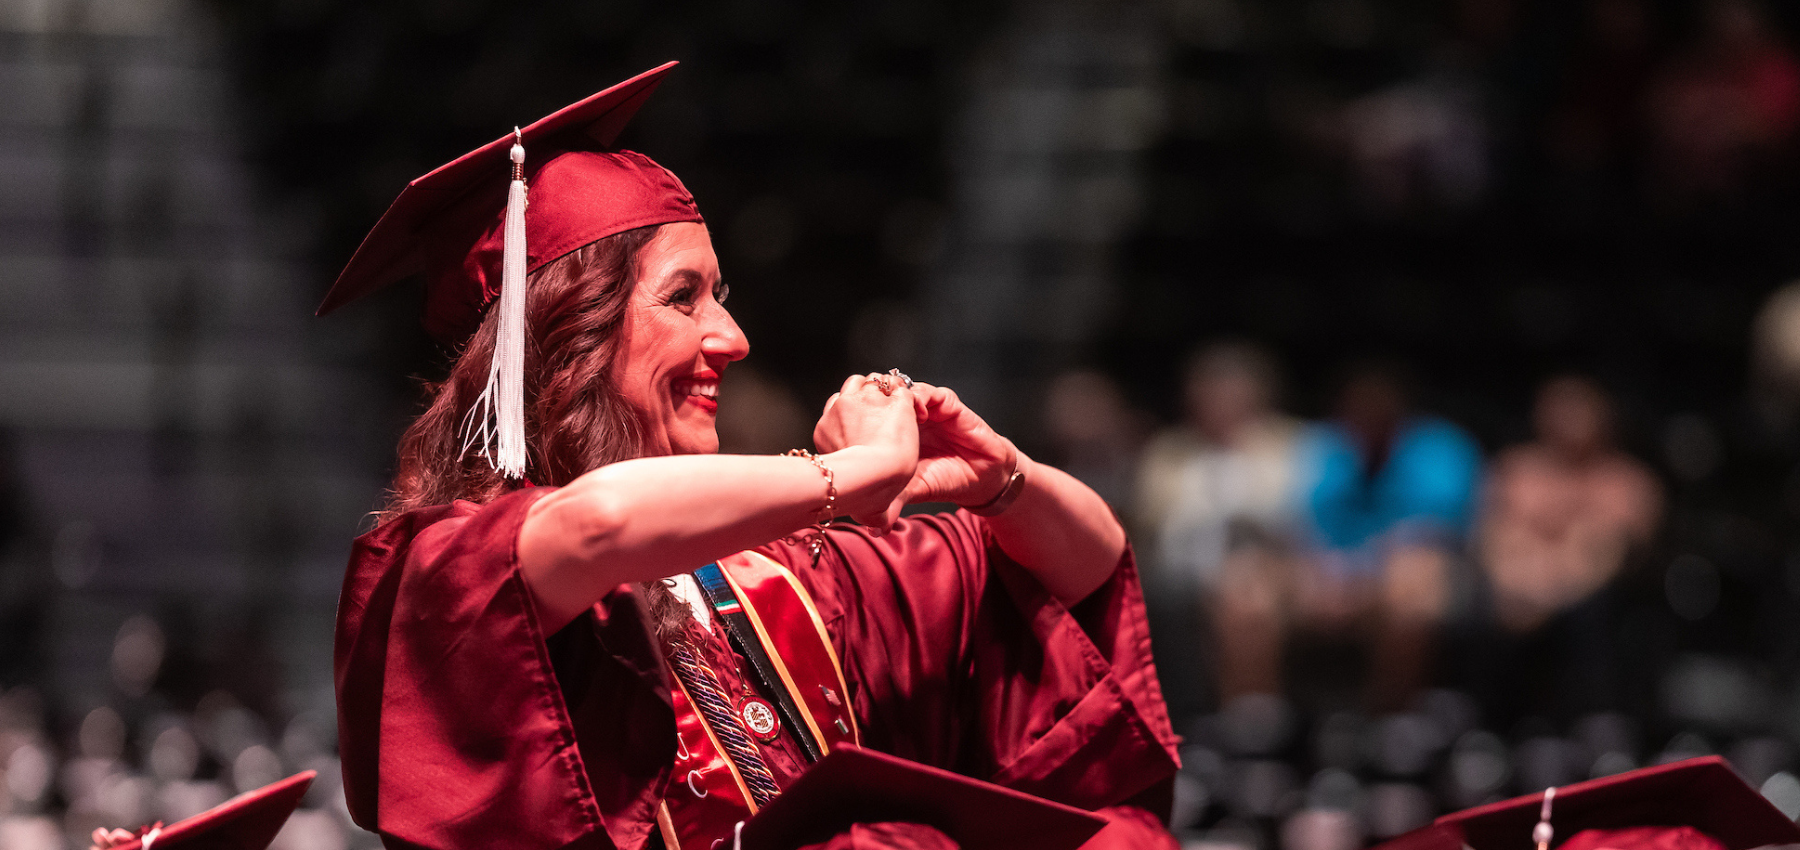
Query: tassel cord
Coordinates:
[497,418]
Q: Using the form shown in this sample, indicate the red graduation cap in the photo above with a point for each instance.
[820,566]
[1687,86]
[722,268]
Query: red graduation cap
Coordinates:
[448,225]
[248,821]
[1695,804]
[468,228]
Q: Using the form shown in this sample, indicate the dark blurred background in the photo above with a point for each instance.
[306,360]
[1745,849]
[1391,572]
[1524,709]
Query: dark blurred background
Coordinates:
[1441,355]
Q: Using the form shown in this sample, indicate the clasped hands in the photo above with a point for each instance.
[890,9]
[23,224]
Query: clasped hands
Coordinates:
[941,450]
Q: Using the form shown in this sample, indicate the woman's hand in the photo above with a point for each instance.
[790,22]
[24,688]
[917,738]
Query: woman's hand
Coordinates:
[882,425]
[104,838]
[1057,527]
[961,459]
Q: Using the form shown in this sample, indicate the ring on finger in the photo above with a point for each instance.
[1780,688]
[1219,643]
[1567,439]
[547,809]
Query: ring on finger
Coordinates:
[905,382]
[885,384]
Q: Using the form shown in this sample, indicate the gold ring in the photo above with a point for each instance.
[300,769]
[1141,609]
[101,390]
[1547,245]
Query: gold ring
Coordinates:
[885,384]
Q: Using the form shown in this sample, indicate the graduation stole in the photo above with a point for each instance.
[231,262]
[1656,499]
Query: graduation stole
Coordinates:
[771,621]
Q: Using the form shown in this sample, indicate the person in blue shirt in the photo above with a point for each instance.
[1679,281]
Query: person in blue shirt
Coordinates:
[1389,495]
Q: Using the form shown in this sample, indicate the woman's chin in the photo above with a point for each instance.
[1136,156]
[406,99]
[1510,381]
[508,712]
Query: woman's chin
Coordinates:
[699,443]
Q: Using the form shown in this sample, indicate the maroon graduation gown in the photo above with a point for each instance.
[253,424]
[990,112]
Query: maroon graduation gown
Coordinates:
[462,724]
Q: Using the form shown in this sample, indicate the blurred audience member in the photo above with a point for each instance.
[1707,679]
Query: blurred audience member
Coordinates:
[1775,365]
[1775,393]
[1420,145]
[1426,144]
[1216,499]
[1724,112]
[1562,513]
[1389,495]
[1093,433]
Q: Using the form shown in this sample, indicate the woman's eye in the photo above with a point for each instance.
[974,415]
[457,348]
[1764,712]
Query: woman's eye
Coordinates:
[683,297]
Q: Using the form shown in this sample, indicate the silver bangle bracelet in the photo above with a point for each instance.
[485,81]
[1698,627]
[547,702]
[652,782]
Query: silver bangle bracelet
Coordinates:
[1015,484]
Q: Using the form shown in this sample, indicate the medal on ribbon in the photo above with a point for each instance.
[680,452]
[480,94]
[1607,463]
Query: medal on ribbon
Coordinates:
[759,717]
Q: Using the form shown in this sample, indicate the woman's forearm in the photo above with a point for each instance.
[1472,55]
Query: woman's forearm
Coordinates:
[1062,531]
[645,519]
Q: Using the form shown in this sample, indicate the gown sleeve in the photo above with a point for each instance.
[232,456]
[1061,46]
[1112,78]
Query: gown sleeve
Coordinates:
[957,657]
[452,726]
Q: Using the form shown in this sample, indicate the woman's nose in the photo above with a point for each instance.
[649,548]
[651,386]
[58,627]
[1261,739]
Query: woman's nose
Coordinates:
[724,337]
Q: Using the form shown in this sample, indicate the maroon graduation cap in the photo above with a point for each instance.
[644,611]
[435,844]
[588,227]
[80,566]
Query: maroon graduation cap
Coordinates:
[473,233]
[448,225]
[1695,804]
[248,821]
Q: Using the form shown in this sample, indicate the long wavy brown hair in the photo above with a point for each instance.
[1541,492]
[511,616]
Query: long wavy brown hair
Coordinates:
[575,418]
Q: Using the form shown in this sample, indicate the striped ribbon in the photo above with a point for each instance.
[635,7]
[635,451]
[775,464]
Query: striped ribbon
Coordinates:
[719,592]
[703,685]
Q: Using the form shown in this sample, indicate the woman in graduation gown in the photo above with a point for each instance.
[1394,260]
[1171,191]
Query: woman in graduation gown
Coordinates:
[522,653]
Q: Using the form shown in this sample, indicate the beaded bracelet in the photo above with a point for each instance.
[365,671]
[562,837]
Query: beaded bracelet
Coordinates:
[828,512]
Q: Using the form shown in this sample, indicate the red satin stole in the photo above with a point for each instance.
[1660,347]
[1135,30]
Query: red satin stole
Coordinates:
[706,797]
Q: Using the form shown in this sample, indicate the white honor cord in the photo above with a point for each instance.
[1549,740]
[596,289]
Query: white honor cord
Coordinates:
[150,838]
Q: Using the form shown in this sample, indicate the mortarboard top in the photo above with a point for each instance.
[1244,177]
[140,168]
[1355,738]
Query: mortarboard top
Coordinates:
[449,225]
[1703,793]
[248,821]
[858,785]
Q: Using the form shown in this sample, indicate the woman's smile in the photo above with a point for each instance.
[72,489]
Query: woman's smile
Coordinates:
[701,390]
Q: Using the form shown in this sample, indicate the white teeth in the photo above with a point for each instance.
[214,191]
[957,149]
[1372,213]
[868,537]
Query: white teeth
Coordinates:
[706,389]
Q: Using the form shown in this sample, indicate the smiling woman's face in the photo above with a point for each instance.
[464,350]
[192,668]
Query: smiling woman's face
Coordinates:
[677,340]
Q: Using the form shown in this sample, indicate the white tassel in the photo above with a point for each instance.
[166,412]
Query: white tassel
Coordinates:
[498,416]
[1543,833]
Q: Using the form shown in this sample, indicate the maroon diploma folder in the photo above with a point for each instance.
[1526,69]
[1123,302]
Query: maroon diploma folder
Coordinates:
[856,785]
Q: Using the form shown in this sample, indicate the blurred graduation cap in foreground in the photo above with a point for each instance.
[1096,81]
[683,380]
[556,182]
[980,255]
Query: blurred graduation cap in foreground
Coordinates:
[248,821]
[1695,804]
